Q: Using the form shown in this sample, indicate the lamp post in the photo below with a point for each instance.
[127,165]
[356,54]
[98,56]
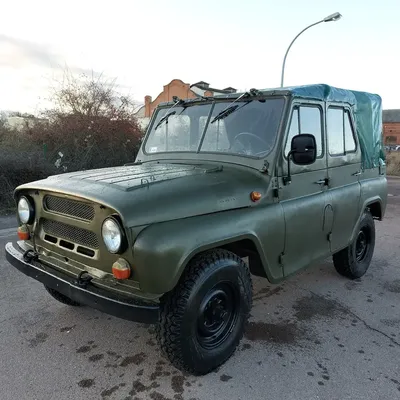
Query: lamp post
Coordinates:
[333,17]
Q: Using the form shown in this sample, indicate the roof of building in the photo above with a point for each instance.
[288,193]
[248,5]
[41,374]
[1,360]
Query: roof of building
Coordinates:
[391,115]
[230,89]
[206,86]
[202,83]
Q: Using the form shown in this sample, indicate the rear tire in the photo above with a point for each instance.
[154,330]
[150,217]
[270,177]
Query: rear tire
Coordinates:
[62,298]
[354,261]
[202,320]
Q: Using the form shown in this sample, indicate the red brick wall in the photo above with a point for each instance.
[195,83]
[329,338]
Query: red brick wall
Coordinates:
[175,88]
[391,130]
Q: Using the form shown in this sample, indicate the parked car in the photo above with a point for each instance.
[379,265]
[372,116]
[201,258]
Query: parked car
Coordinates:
[392,148]
[261,183]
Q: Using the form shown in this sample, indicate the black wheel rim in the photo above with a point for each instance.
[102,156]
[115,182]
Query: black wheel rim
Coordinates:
[362,243]
[218,313]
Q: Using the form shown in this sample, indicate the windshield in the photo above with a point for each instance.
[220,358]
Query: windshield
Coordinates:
[246,128]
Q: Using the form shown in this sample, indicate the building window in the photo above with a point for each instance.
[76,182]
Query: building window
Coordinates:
[391,140]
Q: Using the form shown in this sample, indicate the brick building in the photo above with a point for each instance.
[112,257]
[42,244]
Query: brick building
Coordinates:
[180,89]
[391,127]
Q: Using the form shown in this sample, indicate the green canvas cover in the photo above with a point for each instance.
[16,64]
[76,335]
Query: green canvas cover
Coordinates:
[367,110]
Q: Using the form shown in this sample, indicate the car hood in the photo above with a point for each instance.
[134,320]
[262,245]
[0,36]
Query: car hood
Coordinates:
[153,192]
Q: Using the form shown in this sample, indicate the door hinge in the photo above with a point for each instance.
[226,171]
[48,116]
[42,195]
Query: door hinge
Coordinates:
[281,258]
[329,237]
[275,187]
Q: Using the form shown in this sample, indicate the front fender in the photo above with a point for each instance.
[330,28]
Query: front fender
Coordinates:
[162,251]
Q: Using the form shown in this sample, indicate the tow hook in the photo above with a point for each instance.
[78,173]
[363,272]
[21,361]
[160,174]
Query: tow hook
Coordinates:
[30,256]
[83,279]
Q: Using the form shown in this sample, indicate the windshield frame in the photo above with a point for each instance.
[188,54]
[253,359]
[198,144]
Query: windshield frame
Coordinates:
[198,155]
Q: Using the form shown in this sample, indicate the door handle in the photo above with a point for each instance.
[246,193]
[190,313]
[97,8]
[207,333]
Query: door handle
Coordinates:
[356,173]
[324,181]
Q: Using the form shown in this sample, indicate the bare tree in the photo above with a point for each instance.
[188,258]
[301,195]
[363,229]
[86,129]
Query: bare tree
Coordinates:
[90,125]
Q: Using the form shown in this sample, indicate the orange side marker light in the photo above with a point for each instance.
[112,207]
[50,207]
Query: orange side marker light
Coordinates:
[255,196]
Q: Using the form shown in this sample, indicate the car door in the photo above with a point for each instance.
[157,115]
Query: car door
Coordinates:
[305,200]
[344,170]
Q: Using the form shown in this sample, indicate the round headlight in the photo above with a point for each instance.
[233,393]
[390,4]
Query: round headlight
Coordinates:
[112,235]
[25,210]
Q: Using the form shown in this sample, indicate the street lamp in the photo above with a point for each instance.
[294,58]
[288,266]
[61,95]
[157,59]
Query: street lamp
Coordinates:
[333,17]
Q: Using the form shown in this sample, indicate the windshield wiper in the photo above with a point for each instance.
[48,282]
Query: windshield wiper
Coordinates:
[224,113]
[164,118]
[231,108]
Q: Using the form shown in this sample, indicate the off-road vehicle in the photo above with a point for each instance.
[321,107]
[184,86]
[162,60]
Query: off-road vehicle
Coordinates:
[262,183]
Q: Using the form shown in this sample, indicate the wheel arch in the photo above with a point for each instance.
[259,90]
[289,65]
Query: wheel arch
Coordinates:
[375,206]
[244,247]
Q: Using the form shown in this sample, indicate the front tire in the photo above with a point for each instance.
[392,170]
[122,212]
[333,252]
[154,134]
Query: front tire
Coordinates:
[62,298]
[354,261]
[202,320]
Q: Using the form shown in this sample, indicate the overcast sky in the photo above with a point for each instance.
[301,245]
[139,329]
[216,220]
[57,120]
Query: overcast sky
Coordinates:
[146,44]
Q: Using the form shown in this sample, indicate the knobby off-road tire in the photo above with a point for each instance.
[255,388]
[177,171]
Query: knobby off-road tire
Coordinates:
[354,261]
[62,298]
[203,319]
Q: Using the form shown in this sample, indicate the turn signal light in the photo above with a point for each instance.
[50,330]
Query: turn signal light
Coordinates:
[121,269]
[255,196]
[23,232]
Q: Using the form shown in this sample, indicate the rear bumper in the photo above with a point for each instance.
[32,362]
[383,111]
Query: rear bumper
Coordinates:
[90,295]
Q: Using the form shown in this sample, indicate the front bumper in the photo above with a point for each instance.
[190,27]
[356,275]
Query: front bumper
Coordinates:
[90,295]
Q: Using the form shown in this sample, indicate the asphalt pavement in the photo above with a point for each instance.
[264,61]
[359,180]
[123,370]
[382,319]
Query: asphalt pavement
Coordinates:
[316,336]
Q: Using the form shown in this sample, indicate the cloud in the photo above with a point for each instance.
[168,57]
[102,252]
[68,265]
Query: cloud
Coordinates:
[22,53]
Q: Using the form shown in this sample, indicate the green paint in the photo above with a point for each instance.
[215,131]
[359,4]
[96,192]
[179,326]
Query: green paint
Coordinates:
[175,204]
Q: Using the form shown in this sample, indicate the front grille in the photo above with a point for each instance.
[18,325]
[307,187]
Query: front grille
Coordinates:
[68,207]
[71,233]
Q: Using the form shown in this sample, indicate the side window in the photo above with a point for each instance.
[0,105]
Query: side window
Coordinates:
[335,131]
[349,142]
[340,132]
[293,130]
[310,122]
[306,119]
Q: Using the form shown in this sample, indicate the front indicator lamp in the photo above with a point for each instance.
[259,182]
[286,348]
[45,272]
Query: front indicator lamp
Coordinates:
[121,269]
[23,232]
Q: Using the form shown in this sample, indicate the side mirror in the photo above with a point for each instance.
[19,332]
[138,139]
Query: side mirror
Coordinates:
[303,151]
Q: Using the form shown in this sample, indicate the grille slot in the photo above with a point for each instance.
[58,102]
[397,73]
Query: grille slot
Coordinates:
[68,207]
[84,251]
[50,239]
[71,233]
[67,245]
